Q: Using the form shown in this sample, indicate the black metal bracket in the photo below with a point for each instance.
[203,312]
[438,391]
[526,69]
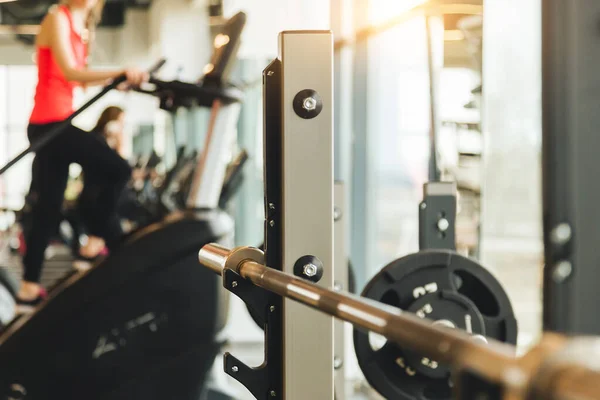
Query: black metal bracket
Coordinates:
[264,381]
[437,216]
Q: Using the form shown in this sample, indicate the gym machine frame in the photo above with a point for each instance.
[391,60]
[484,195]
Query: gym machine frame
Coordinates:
[570,145]
[300,340]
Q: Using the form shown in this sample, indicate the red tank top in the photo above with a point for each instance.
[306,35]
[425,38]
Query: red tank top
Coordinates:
[53,99]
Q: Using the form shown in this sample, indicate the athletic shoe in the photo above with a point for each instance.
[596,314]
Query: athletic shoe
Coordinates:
[27,306]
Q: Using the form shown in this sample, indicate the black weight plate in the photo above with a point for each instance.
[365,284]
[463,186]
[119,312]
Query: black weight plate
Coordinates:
[403,283]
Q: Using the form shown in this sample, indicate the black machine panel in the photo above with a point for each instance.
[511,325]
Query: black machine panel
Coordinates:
[213,85]
[570,141]
[140,325]
[226,46]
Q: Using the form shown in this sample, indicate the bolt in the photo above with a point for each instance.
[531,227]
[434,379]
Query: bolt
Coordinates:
[562,271]
[235,368]
[561,234]
[337,362]
[270,73]
[271,206]
[309,104]
[337,287]
[272,393]
[337,213]
[310,270]
[272,308]
[423,206]
[272,223]
[443,225]
[234,284]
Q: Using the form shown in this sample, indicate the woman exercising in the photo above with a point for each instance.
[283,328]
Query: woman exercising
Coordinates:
[62,49]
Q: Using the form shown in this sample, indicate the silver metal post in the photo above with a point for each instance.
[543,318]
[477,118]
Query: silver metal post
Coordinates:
[307,67]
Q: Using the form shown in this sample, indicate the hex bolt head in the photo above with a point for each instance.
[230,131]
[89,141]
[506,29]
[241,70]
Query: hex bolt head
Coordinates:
[309,267]
[235,368]
[272,393]
[309,104]
[234,284]
[272,308]
[310,270]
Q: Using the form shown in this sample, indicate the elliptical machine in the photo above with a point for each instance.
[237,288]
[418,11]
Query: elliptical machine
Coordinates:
[142,323]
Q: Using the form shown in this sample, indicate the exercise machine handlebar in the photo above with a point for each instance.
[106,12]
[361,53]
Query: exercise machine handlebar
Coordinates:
[37,145]
[572,376]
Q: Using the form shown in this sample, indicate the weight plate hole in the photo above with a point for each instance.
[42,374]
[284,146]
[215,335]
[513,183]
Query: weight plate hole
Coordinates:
[476,291]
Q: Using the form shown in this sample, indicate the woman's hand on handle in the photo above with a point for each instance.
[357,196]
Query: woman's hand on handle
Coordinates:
[134,78]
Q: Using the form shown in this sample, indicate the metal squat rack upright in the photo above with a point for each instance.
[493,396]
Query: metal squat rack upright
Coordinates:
[299,210]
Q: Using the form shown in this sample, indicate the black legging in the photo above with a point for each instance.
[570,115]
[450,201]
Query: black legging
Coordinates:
[106,174]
